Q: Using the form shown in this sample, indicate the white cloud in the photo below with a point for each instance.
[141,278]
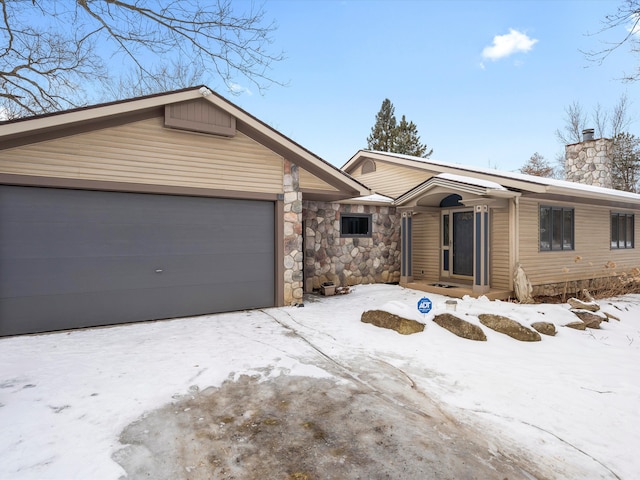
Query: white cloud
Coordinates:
[237,89]
[4,114]
[506,45]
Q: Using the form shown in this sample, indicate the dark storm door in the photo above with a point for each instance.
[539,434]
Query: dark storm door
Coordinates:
[77,258]
[463,244]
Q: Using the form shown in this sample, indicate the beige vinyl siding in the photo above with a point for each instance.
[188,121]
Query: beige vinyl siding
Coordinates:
[309,181]
[426,246]
[499,269]
[391,180]
[146,152]
[592,246]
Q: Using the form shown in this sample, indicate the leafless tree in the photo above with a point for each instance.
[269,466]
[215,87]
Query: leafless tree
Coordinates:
[620,119]
[54,55]
[161,78]
[607,123]
[626,16]
[575,121]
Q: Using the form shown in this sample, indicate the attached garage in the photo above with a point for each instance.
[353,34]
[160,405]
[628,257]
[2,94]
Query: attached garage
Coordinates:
[163,206]
[78,258]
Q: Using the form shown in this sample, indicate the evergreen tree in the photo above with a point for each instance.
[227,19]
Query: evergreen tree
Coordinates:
[538,166]
[407,140]
[384,131]
[625,162]
[387,136]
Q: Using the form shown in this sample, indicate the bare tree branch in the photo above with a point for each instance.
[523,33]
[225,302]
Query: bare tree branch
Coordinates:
[619,117]
[576,120]
[86,45]
[628,17]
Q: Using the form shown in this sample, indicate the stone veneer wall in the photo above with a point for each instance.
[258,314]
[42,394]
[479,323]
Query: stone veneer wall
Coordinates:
[292,235]
[588,162]
[328,257]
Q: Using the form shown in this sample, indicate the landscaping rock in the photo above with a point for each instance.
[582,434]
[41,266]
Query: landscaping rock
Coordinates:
[610,316]
[522,286]
[509,327]
[460,327]
[546,328]
[578,325]
[383,319]
[580,305]
[591,320]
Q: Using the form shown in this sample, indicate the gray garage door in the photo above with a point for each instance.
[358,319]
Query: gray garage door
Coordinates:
[77,258]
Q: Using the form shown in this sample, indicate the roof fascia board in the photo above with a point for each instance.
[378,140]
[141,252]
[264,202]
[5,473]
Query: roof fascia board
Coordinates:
[63,119]
[84,127]
[606,201]
[614,196]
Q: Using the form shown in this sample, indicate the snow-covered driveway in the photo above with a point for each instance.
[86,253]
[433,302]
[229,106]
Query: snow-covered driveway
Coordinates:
[569,404]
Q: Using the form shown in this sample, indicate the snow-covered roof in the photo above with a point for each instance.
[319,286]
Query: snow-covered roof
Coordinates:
[513,180]
[375,198]
[471,181]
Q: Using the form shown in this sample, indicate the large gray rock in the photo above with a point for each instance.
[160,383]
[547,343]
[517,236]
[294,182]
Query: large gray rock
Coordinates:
[546,328]
[383,319]
[460,327]
[580,305]
[577,325]
[610,316]
[509,327]
[591,320]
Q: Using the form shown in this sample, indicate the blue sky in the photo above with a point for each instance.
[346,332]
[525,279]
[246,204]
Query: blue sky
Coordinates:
[493,110]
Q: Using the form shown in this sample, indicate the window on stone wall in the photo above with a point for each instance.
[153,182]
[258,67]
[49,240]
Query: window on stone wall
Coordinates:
[556,228]
[622,230]
[355,225]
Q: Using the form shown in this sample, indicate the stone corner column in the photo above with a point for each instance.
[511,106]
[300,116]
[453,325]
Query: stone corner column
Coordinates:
[293,255]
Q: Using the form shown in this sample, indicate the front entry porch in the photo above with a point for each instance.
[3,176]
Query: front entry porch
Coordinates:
[456,290]
[456,238]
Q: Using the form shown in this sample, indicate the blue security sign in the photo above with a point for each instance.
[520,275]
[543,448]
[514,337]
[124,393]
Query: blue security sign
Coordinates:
[424,305]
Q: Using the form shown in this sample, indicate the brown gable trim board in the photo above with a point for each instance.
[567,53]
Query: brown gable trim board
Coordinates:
[53,133]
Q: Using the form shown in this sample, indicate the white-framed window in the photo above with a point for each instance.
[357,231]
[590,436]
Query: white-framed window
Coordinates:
[622,230]
[556,228]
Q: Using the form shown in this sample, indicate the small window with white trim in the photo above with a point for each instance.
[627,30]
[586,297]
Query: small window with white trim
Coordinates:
[622,230]
[556,228]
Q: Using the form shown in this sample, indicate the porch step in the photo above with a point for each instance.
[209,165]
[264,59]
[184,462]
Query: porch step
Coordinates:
[457,291]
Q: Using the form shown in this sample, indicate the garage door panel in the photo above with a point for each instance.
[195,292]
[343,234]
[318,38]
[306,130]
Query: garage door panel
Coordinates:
[41,276]
[71,258]
[45,204]
[21,315]
[64,241]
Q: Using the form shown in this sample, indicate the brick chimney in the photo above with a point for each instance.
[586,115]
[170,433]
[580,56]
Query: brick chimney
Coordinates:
[589,161]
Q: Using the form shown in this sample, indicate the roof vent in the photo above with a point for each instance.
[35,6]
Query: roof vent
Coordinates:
[587,134]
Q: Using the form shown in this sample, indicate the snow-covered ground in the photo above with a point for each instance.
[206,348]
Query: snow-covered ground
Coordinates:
[571,402]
